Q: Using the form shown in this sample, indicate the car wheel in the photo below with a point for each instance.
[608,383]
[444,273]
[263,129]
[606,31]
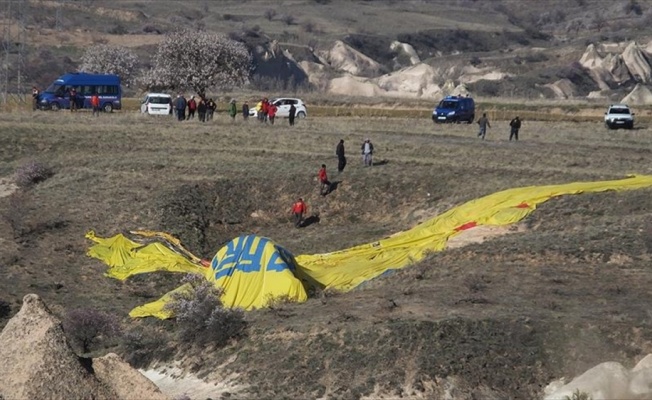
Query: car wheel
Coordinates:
[301,115]
[55,106]
[108,107]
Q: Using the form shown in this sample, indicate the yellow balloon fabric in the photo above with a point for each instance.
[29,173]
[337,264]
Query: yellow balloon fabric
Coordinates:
[254,271]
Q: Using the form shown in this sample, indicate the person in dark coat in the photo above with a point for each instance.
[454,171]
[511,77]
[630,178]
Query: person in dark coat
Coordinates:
[180,105]
[201,110]
[515,125]
[210,109]
[245,111]
[292,114]
[341,158]
[192,107]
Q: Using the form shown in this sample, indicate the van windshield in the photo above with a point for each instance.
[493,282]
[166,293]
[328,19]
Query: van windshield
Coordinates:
[160,100]
[53,88]
[448,104]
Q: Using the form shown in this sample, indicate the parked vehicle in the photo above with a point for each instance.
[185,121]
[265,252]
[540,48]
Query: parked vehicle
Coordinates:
[454,109]
[619,116]
[57,95]
[156,104]
[283,107]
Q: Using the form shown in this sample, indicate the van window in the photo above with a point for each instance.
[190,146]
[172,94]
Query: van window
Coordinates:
[53,88]
[111,90]
[159,100]
[88,90]
[448,104]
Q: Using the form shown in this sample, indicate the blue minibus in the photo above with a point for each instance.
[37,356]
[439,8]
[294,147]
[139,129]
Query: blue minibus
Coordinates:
[57,95]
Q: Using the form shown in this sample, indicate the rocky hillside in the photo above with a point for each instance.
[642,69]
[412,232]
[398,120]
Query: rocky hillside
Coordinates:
[408,49]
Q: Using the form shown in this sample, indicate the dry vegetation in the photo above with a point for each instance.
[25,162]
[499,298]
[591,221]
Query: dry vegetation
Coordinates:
[508,315]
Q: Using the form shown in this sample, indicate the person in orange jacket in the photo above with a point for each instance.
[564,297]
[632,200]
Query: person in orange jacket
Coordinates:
[325,187]
[271,113]
[299,208]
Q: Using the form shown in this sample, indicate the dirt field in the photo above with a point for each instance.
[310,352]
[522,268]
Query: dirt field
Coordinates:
[498,316]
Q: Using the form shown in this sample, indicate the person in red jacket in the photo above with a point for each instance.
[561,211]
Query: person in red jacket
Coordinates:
[264,108]
[192,107]
[299,208]
[325,187]
[95,103]
[271,113]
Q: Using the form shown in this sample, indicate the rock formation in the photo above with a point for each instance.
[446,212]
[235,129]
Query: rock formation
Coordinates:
[38,363]
[637,63]
[563,89]
[345,58]
[640,95]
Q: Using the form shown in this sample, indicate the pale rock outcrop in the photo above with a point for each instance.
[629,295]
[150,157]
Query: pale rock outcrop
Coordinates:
[472,74]
[563,89]
[350,85]
[407,50]
[448,88]
[37,363]
[598,94]
[591,59]
[609,380]
[125,381]
[640,95]
[616,66]
[343,57]
[413,80]
[637,63]
[317,74]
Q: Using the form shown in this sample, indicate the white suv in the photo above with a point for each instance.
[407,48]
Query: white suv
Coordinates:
[619,116]
[283,105]
[156,104]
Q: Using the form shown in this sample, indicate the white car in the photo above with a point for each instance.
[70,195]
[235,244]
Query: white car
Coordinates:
[283,105]
[156,104]
[619,116]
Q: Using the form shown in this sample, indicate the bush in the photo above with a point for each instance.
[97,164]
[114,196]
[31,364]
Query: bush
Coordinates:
[5,309]
[270,14]
[85,327]
[31,173]
[287,19]
[143,345]
[201,317]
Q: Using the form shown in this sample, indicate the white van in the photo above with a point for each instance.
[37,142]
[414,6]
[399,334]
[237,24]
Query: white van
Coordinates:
[156,104]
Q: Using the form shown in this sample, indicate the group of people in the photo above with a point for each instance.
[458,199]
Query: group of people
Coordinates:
[514,125]
[203,107]
[299,208]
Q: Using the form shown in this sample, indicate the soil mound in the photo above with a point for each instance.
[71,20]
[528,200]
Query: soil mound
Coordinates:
[38,363]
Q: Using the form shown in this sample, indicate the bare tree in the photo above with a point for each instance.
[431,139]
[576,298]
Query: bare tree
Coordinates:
[599,21]
[198,60]
[110,60]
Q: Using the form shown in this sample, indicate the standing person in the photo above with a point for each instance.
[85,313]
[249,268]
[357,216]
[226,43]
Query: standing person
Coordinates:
[515,125]
[265,109]
[292,114]
[95,104]
[180,104]
[35,98]
[341,158]
[245,111]
[367,152]
[192,107]
[210,109]
[73,100]
[271,113]
[299,208]
[233,109]
[325,185]
[483,122]
[259,110]
[201,109]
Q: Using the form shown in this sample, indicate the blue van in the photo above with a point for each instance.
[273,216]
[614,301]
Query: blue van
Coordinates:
[454,109]
[57,95]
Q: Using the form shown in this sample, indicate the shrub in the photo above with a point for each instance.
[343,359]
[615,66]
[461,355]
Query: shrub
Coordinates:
[5,309]
[270,14]
[86,327]
[287,19]
[577,395]
[201,317]
[475,61]
[142,345]
[31,173]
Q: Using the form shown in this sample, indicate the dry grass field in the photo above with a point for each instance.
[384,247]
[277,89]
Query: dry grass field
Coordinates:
[565,289]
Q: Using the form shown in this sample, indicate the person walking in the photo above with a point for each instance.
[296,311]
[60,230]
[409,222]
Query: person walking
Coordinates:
[367,153]
[325,185]
[515,125]
[341,158]
[233,109]
[35,98]
[202,109]
[73,100]
[271,113]
[95,104]
[245,111]
[210,109]
[292,113]
[483,122]
[192,107]
[299,208]
[180,105]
